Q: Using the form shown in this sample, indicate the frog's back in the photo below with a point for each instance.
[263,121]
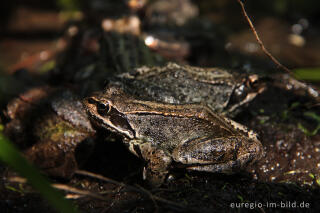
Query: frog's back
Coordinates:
[181,85]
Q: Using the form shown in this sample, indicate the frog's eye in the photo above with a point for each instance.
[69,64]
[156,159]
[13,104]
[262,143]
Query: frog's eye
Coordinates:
[103,108]
[252,81]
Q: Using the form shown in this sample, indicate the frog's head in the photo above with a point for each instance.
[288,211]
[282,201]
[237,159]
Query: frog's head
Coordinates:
[108,110]
[245,91]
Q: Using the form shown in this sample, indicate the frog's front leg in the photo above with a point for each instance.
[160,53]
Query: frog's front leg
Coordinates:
[157,161]
[223,155]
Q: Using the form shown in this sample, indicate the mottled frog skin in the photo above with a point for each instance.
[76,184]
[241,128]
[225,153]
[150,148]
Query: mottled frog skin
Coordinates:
[166,134]
[221,90]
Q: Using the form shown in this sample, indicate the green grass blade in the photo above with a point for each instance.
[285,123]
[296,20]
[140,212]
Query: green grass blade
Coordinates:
[10,155]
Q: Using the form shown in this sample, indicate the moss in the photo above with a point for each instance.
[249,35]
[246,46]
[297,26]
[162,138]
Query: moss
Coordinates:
[56,130]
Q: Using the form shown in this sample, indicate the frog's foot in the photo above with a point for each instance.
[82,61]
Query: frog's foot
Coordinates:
[154,176]
[157,164]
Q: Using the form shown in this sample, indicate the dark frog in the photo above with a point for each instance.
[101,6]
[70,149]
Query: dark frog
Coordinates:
[221,90]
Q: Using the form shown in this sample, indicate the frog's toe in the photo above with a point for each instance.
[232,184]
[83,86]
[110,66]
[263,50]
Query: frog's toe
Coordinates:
[250,152]
[154,178]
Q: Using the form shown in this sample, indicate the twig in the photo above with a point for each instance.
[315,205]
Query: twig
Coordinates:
[78,191]
[100,177]
[260,42]
[175,206]
[110,206]
[312,91]
[64,188]
[151,197]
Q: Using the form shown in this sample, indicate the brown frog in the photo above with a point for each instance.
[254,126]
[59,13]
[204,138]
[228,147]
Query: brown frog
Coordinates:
[167,135]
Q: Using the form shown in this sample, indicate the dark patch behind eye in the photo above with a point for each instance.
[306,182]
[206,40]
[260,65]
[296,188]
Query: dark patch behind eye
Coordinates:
[119,120]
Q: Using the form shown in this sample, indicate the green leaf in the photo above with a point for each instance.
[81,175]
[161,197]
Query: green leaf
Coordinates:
[308,132]
[47,66]
[11,188]
[240,198]
[313,115]
[10,155]
[69,4]
[309,74]
[311,175]
[295,105]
